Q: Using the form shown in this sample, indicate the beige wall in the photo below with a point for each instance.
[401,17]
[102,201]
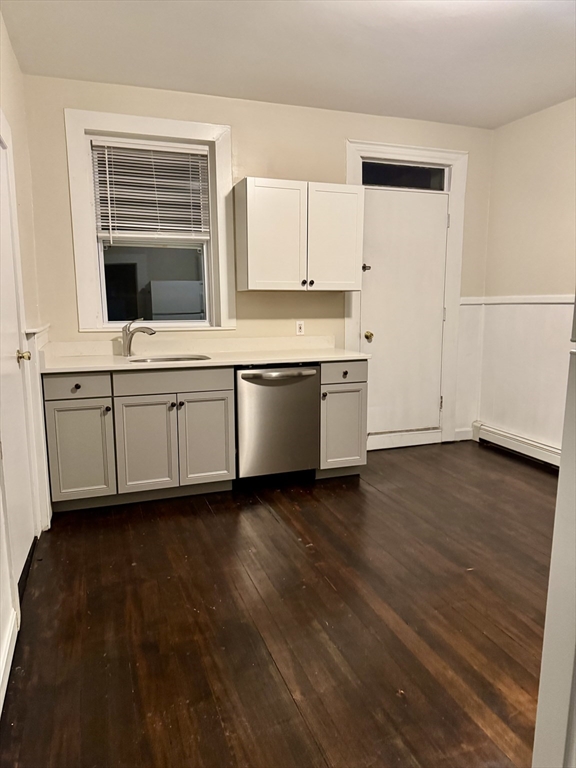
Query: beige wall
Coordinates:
[268,140]
[12,102]
[531,245]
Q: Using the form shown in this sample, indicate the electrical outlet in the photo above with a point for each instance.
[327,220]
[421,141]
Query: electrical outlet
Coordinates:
[299,327]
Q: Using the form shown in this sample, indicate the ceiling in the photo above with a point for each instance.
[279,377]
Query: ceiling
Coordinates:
[471,62]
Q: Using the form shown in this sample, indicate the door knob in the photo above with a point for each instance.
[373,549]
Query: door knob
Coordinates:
[368,336]
[22,356]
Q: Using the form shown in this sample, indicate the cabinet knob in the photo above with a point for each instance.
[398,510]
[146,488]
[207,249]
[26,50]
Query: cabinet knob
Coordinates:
[311,283]
[108,409]
[304,282]
[172,404]
[324,395]
[344,374]
[181,404]
[77,386]
[368,335]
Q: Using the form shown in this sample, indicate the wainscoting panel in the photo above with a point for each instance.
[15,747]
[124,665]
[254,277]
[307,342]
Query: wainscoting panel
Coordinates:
[525,369]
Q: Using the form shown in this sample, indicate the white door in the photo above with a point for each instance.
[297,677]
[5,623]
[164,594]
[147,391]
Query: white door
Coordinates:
[335,228]
[403,307]
[276,236]
[146,442]
[13,427]
[206,437]
[80,435]
[343,425]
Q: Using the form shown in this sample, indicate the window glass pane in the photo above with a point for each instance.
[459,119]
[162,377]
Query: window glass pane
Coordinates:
[161,284]
[407,176]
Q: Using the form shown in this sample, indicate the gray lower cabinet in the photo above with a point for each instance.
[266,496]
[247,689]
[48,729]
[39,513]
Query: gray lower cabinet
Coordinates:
[343,425]
[206,437]
[146,442]
[80,436]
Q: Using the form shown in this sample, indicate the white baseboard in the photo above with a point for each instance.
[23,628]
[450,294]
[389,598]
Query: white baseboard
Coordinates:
[464,433]
[548,453]
[403,439]
[7,652]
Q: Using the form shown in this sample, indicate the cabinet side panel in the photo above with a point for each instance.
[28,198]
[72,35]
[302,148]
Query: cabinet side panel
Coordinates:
[241,234]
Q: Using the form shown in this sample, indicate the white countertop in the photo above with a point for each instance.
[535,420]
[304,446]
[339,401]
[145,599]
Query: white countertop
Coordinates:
[75,363]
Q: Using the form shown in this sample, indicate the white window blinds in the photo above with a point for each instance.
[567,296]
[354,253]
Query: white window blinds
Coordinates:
[144,194]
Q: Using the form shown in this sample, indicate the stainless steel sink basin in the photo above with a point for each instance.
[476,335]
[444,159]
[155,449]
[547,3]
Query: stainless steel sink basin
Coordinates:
[173,359]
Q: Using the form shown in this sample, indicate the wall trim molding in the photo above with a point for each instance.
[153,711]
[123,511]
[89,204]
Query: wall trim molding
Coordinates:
[8,654]
[379,441]
[464,433]
[547,453]
[561,298]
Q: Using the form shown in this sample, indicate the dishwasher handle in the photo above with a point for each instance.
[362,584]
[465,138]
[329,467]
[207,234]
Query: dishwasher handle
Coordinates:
[296,373]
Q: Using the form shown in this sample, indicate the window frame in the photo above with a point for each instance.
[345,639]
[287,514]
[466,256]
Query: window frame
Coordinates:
[81,127]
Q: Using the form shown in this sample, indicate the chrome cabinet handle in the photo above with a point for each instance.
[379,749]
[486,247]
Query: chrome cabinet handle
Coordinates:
[276,375]
[22,356]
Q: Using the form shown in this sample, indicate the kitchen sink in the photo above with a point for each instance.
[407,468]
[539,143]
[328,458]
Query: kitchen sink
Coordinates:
[173,359]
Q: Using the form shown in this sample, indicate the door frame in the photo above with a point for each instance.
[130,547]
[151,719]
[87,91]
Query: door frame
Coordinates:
[456,164]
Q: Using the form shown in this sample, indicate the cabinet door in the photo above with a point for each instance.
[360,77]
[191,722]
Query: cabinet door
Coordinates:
[335,237]
[276,234]
[146,442]
[80,436]
[206,437]
[343,434]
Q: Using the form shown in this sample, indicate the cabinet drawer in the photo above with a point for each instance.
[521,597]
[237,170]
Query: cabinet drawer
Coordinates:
[339,373]
[172,381]
[76,386]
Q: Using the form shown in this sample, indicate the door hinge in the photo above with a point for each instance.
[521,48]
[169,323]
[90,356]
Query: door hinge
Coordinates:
[444,314]
[448,220]
[441,402]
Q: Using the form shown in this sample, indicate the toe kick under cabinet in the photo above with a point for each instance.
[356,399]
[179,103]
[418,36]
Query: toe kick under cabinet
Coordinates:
[136,431]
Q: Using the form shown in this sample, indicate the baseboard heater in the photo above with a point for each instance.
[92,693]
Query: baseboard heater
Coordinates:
[548,453]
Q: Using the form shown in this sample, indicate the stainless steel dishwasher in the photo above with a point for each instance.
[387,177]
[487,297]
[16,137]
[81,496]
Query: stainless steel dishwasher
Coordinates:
[278,419]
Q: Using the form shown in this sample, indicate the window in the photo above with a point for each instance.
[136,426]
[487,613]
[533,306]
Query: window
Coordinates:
[151,220]
[375,174]
[152,206]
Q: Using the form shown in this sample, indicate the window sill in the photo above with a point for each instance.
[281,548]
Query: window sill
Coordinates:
[117,327]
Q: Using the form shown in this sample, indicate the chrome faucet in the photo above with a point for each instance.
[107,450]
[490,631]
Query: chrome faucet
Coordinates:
[128,334]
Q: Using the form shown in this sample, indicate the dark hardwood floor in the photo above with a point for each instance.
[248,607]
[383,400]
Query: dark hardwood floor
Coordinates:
[394,620]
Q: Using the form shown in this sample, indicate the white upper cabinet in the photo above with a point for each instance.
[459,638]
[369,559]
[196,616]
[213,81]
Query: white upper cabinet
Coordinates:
[298,235]
[271,221]
[335,236]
